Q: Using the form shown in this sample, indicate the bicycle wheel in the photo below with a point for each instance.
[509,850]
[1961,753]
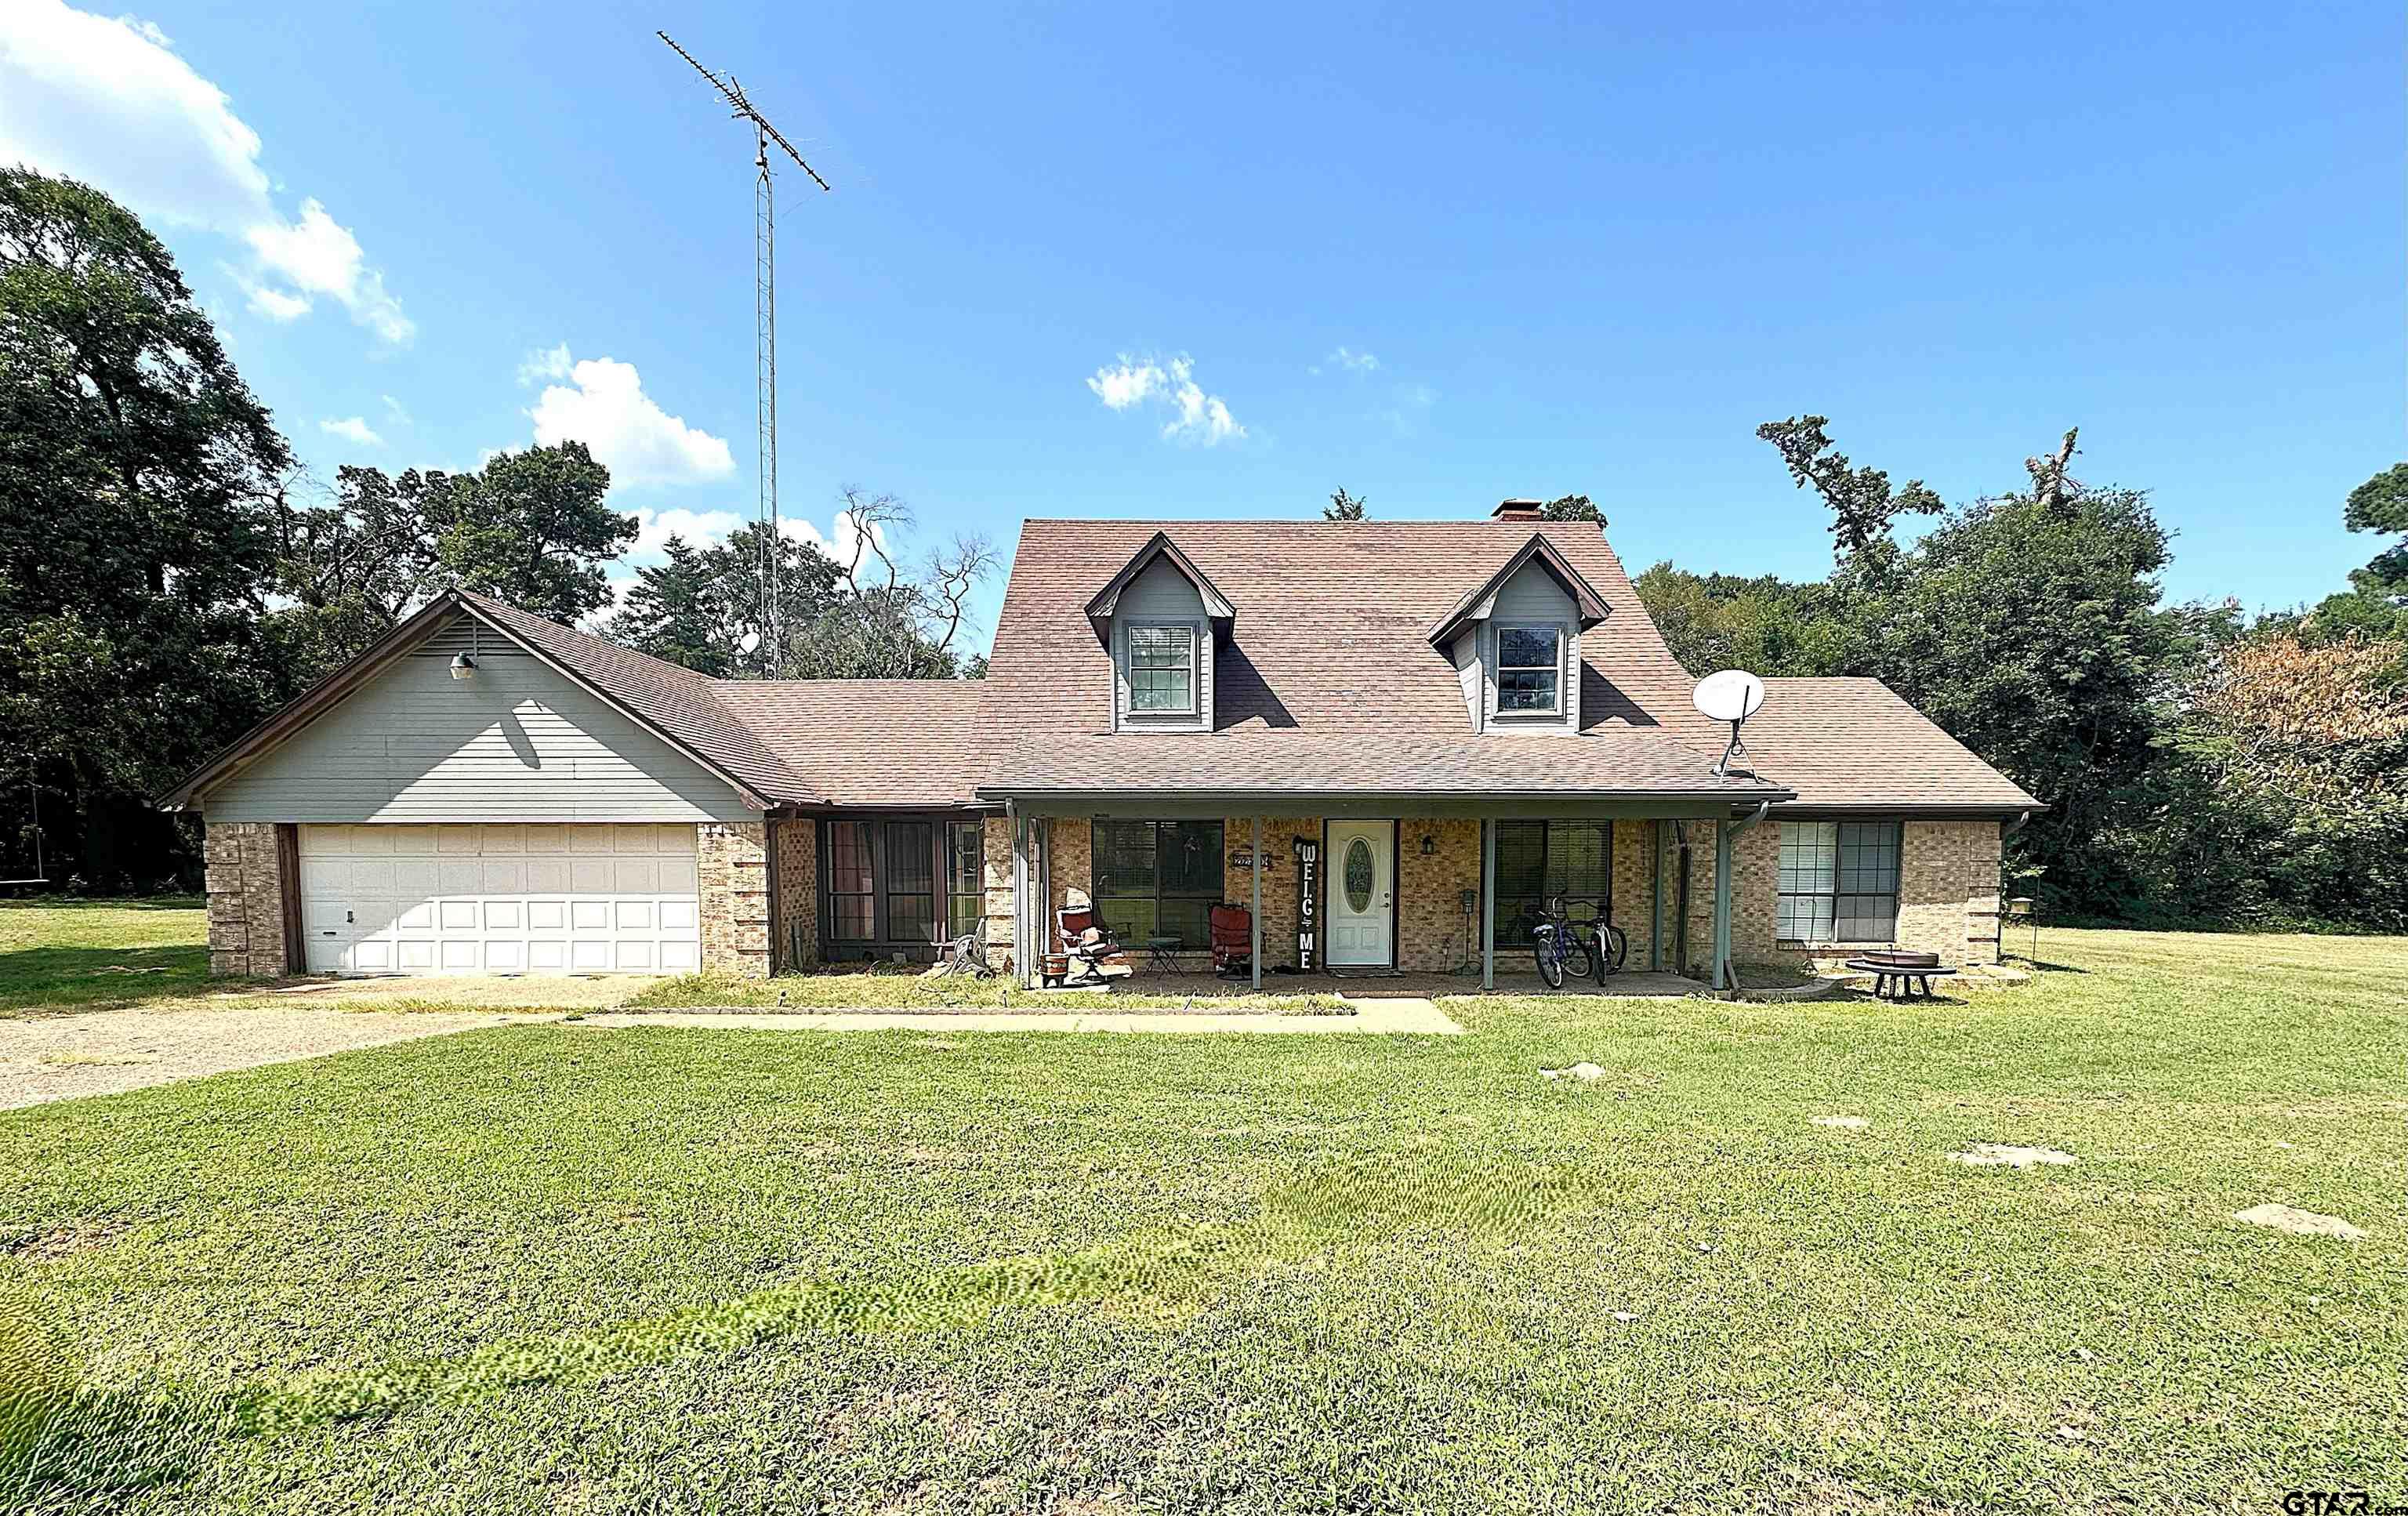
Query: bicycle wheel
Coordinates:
[1612,950]
[1551,958]
[1576,956]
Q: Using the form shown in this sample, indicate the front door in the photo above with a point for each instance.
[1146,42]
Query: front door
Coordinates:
[1361,859]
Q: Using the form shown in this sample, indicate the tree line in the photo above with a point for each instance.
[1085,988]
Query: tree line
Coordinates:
[168,576]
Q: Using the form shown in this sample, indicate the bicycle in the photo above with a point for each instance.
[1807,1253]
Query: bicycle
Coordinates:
[1579,948]
[1558,945]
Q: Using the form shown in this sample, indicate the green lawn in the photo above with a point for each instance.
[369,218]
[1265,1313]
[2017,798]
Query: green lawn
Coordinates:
[547,1269]
[903,989]
[98,955]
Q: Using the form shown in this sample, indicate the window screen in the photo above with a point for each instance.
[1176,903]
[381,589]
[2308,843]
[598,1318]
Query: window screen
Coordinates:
[1839,881]
[1539,860]
[965,879]
[1530,669]
[1162,670]
[910,881]
[849,882]
[1159,878]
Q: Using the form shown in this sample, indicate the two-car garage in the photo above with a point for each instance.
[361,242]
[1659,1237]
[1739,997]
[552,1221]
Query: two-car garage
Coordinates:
[507,899]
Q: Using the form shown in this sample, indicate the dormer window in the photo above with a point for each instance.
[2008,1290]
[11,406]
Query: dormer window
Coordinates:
[1161,621]
[1162,668]
[1529,670]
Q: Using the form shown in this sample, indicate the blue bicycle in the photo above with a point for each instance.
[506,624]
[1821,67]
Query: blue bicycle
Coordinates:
[1576,947]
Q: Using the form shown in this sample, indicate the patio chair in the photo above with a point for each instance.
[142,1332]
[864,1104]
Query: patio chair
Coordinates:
[1087,948]
[1233,941]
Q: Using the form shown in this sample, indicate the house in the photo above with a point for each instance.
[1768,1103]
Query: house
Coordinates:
[1390,739]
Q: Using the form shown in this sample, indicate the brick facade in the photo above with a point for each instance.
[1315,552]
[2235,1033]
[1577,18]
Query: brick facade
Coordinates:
[1948,885]
[735,880]
[246,888]
[798,895]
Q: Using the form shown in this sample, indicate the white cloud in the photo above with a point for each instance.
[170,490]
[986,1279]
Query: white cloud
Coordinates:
[109,102]
[1353,362]
[1198,417]
[603,405]
[395,410]
[699,528]
[352,429]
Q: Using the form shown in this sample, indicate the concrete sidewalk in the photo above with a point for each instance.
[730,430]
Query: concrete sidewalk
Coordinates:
[1374,1017]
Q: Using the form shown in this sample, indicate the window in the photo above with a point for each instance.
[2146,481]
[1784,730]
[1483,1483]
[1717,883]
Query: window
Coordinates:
[966,886]
[1159,878]
[1162,670]
[1839,881]
[850,895]
[910,881]
[1537,861]
[1529,670]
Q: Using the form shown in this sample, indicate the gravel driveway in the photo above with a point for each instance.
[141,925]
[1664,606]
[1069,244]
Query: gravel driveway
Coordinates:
[62,1057]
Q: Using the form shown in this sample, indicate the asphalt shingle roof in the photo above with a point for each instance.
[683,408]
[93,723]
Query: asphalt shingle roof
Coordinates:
[868,742]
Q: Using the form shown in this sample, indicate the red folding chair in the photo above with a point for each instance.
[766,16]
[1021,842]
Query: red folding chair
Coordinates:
[1233,941]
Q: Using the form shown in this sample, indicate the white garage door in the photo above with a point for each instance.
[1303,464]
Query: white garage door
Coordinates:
[499,899]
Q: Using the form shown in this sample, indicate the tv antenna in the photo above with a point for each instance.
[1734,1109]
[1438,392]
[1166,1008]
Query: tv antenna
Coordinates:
[764,334]
[1733,695]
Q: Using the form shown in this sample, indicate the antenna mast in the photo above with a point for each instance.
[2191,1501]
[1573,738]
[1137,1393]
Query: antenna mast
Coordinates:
[765,341]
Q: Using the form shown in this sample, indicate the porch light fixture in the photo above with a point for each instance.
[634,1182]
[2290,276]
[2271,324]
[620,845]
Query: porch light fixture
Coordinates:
[462,667]
[1430,846]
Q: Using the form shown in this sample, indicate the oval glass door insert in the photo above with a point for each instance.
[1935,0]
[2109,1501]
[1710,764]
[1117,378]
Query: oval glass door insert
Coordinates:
[1358,876]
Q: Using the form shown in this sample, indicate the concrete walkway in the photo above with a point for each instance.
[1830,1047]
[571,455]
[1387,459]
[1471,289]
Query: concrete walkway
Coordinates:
[1375,1017]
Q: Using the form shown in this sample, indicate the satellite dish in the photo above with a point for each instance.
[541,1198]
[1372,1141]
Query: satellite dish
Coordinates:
[1732,695]
[749,643]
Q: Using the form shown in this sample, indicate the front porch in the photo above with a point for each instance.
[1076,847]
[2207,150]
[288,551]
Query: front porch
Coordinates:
[1641,984]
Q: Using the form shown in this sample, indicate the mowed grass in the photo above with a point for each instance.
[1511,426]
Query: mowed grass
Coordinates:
[543,1268]
[61,955]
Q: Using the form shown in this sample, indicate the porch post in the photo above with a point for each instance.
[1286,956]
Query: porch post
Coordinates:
[1020,934]
[1255,943]
[1722,903]
[1487,904]
[1663,859]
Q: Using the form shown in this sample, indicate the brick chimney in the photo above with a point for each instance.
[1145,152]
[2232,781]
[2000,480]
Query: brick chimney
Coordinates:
[1517,510]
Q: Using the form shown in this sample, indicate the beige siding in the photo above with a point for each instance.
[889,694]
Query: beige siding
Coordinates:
[1530,596]
[516,743]
[1160,592]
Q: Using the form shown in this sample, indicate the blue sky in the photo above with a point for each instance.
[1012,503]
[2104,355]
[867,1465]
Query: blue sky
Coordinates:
[1584,249]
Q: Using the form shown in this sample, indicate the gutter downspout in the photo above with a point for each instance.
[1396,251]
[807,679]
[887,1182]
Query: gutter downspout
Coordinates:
[1723,977]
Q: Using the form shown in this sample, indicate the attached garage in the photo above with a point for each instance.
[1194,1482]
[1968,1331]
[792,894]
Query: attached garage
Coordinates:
[499,899]
[488,792]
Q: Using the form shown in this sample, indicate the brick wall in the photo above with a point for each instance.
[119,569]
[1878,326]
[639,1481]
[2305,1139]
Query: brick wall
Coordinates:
[1634,887]
[797,895]
[735,897]
[995,853]
[1948,890]
[246,893]
[1431,920]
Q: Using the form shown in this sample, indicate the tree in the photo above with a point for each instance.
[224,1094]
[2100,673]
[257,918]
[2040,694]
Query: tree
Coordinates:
[1342,507]
[702,609]
[531,528]
[2381,505]
[137,476]
[868,617]
[1572,508]
[1862,503]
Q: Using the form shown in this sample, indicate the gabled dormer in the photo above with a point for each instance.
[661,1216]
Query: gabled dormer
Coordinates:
[1161,619]
[1515,641]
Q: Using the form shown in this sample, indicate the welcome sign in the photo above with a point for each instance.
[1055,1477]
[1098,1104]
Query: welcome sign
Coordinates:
[1308,896]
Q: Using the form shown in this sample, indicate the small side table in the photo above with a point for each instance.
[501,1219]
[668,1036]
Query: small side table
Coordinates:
[1162,953]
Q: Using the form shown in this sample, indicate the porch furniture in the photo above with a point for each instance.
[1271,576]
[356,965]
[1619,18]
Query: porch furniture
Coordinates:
[1233,941]
[1162,953]
[1085,948]
[1897,976]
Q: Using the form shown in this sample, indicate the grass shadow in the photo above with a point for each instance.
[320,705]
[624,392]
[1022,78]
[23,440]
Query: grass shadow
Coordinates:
[98,979]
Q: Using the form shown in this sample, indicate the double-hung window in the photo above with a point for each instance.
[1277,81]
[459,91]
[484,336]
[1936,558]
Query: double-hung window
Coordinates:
[1839,881]
[1158,880]
[1537,861]
[1529,670]
[1162,670]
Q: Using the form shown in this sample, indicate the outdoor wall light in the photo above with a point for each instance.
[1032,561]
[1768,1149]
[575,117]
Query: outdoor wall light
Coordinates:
[1430,846]
[462,667]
